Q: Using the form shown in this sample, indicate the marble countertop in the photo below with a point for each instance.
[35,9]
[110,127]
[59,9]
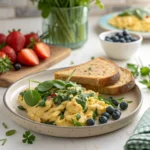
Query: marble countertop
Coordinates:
[110,141]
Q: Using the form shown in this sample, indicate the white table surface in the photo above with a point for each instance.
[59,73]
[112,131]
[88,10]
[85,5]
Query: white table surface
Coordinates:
[111,141]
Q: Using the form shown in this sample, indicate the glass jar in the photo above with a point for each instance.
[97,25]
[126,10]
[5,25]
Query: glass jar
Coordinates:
[67,27]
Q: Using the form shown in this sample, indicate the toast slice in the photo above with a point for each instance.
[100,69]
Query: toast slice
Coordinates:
[125,84]
[98,72]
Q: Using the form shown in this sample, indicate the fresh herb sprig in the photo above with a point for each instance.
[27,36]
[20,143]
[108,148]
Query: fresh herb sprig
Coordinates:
[144,71]
[28,137]
[140,13]
[3,141]
[45,6]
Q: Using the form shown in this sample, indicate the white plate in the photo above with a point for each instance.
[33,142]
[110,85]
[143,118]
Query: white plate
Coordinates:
[20,117]
[103,23]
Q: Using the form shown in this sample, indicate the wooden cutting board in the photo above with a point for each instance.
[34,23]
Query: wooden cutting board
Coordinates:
[57,54]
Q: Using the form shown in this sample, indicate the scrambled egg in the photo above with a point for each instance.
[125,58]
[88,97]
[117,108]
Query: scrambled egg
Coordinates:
[131,23]
[70,108]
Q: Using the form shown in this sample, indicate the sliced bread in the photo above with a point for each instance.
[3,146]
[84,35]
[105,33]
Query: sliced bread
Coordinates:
[125,84]
[98,72]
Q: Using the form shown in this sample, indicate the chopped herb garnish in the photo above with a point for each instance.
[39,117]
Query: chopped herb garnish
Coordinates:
[5,125]
[10,132]
[145,82]
[72,62]
[76,123]
[90,68]
[61,115]
[134,69]
[3,141]
[129,102]
[28,137]
[20,107]
[95,114]
[78,116]
[92,57]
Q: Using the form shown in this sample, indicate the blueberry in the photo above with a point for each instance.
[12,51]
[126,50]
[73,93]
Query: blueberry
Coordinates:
[103,120]
[117,110]
[119,34]
[108,39]
[116,115]
[122,40]
[125,33]
[115,38]
[90,122]
[128,41]
[128,37]
[123,105]
[133,39]
[115,102]
[110,110]
[17,66]
[106,115]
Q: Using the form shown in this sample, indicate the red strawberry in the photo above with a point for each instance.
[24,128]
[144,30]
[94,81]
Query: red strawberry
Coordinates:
[10,53]
[16,40]
[29,38]
[28,57]
[2,38]
[42,50]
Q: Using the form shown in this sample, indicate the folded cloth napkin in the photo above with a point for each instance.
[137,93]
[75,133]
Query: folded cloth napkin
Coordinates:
[140,140]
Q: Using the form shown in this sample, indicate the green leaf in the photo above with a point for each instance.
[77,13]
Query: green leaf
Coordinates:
[45,86]
[5,125]
[59,84]
[134,69]
[95,114]
[145,82]
[76,123]
[78,116]
[129,102]
[61,115]
[144,71]
[10,132]
[3,141]
[28,137]
[99,4]
[32,97]
[20,107]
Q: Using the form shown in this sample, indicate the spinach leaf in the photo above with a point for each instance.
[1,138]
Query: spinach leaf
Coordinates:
[78,116]
[45,86]
[145,82]
[76,123]
[20,107]
[59,84]
[51,123]
[32,97]
[61,115]
[95,114]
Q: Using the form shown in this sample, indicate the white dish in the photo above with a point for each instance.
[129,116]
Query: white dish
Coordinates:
[103,23]
[117,50]
[20,117]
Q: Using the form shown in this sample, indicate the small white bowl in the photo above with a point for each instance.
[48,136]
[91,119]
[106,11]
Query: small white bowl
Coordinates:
[120,51]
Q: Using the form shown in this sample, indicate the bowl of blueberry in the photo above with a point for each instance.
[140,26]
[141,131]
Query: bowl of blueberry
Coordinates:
[120,45]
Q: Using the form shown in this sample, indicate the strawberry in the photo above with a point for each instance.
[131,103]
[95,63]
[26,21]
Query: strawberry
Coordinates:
[2,38]
[5,63]
[28,57]
[42,50]
[31,37]
[10,53]
[16,40]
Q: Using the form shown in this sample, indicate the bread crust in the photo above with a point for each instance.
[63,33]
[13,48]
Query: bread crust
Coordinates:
[114,89]
[92,80]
